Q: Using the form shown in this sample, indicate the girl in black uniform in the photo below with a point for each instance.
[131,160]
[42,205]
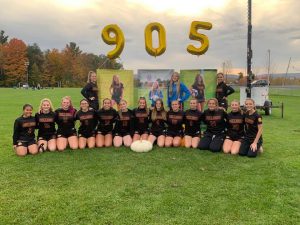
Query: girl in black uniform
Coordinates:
[23,136]
[158,118]
[175,128]
[222,91]
[90,91]
[198,89]
[124,126]
[235,129]
[116,90]
[252,142]
[106,117]
[141,120]
[192,120]
[88,122]
[65,119]
[215,119]
[45,120]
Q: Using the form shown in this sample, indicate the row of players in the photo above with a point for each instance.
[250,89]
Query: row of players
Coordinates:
[236,132]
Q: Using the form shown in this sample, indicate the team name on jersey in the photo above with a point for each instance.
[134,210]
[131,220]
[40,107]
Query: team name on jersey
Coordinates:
[106,117]
[195,118]
[141,115]
[213,118]
[62,114]
[46,120]
[219,90]
[28,124]
[235,121]
[94,89]
[250,121]
[175,117]
[125,118]
[86,117]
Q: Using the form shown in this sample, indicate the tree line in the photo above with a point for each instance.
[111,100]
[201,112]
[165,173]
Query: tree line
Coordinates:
[21,63]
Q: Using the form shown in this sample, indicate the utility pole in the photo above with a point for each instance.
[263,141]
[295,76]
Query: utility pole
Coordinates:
[249,50]
[287,70]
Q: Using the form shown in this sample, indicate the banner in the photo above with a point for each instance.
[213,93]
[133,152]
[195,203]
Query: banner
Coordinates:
[151,84]
[191,77]
[116,85]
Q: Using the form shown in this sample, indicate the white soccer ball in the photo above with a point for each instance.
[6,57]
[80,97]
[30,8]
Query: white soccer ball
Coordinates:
[141,146]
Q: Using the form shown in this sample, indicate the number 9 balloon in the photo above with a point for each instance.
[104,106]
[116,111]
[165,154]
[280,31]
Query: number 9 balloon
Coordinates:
[118,40]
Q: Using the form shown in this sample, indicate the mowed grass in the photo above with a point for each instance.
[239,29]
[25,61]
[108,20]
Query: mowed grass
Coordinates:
[164,186]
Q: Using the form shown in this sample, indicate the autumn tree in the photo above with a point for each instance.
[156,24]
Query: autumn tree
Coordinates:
[36,61]
[14,58]
[53,68]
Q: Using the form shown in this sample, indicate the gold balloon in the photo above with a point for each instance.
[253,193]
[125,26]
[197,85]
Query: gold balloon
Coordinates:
[118,40]
[194,35]
[161,38]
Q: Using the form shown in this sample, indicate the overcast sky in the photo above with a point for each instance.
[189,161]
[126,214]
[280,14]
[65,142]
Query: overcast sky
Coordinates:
[53,24]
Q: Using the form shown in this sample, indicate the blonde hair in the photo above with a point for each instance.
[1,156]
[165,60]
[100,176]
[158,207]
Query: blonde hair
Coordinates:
[235,100]
[45,100]
[120,111]
[177,85]
[89,76]
[252,100]
[143,98]
[214,100]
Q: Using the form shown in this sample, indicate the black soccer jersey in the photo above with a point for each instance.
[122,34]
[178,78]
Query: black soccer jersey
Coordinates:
[107,119]
[141,119]
[192,120]
[124,123]
[223,90]
[90,90]
[252,121]
[175,121]
[235,124]
[88,121]
[215,121]
[159,124]
[24,129]
[65,120]
[45,123]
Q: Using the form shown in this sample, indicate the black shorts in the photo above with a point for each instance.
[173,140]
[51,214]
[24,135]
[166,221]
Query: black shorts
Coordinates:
[200,100]
[234,138]
[122,134]
[197,134]
[174,133]
[25,143]
[141,132]
[46,137]
[223,103]
[245,149]
[104,132]
[158,133]
[66,134]
[86,134]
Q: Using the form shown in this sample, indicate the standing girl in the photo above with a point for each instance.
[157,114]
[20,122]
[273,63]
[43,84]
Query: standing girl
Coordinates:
[107,117]
[90,91]
[23,136]
[175,128]
[192,120]
[177,91]
[88,122]
[252,142]
[235,129]
[198,93]
[222,91]
[65,119]
[116,90]
[155,93]
[141,120]
[45,120]
[124,126]
[215,119]
[158,118]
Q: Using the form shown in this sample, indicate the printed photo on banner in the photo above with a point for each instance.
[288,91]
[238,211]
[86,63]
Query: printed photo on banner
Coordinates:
[116,85]
[152,84]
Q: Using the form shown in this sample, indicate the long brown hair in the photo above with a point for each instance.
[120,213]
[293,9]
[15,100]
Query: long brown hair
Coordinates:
[197,83]
[163,111]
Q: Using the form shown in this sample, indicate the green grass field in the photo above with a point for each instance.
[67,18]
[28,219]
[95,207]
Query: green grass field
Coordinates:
[165,186]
